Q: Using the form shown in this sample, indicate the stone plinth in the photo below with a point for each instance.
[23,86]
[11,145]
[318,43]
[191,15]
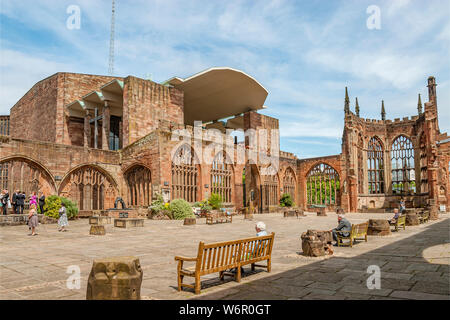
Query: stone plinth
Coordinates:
[118,213]
[317,243]
[290,213]
[97,230]
[189,221]
[117,278]
[434,215]
[100,220]
[321,212]
[412,219]
[128,222]
[22,219]
[378,227]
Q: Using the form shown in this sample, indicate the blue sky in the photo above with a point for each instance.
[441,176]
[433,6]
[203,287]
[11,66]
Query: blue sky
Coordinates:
[303,52]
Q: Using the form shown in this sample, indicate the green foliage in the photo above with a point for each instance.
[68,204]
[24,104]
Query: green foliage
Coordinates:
[53,204]
[181,209]
[71,208]
[215,201]
[203,205]
[286,200]
[157,205]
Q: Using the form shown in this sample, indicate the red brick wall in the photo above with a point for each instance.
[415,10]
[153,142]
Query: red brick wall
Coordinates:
[40,115]
[145,104]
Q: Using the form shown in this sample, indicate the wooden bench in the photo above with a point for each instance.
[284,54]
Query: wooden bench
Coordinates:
[358,232]
[424,216]
[401,221]
[223,256]
[218,217]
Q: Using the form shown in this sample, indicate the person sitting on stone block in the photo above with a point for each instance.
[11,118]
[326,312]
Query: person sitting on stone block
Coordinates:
[344,225]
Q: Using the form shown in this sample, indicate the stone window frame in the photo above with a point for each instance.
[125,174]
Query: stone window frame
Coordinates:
[326,176]
[185,174]
[221,177]
[402,149]
[376,181]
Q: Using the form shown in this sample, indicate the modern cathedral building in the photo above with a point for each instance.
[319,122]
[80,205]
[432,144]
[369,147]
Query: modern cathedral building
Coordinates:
[95,138]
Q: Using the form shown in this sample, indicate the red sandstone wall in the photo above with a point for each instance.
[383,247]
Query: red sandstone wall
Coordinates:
[39,115]
[145,104]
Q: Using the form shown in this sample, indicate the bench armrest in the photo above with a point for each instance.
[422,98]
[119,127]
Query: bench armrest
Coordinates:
[178,258]
[341,231]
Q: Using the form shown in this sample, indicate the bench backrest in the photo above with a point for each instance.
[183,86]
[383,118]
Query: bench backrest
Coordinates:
[401,220]
[215,257]
[359,230]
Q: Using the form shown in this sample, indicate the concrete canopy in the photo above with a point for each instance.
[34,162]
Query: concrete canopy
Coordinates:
[219,93]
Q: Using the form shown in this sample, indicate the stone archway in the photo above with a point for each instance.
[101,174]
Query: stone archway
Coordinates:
[138,180]
[26,175]
[91,187]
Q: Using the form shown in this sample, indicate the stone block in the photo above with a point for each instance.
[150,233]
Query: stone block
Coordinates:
[317,243]
[321,212]
[116,278]
[100,220]
[189,221]
[128,222]
[378,227]
[412,219]
[97,230]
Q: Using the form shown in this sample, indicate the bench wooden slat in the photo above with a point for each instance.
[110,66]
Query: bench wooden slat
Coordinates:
[222,256]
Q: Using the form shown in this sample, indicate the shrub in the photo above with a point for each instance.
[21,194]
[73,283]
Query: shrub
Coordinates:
[53,204]
[181,209]
[286,200]
[203,205]
[71,208]
[215,201]
[157,205]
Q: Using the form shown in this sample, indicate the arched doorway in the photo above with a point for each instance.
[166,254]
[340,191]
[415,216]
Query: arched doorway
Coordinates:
[139,186]
[323,185]
[253,187]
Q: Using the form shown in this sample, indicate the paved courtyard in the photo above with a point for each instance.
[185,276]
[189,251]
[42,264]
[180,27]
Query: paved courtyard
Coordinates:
[414,262]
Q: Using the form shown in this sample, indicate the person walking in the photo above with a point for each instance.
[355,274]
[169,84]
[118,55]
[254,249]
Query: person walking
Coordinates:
[63,221]
[33,220]
[42,202]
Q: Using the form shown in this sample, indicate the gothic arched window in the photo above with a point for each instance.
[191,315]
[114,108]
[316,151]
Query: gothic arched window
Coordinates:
[289,183]
[360,164]
[184,175]
[323,185]
[139,186]
[403,169]
[423,164]
[221,174]
[375,166]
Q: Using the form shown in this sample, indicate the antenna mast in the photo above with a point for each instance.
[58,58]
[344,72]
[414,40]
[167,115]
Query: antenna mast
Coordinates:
[111,41]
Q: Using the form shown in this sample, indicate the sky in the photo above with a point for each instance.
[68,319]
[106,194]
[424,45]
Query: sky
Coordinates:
[303,52]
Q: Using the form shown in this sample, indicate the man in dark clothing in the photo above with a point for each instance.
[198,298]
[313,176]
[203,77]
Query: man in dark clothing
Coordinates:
[344,225]
[20,202]
[14,201]
[42,202]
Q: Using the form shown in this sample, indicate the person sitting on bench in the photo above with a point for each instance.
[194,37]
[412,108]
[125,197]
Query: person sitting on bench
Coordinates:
[395,217]
[344,225]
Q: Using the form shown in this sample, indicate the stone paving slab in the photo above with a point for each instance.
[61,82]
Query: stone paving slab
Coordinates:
[414,262]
